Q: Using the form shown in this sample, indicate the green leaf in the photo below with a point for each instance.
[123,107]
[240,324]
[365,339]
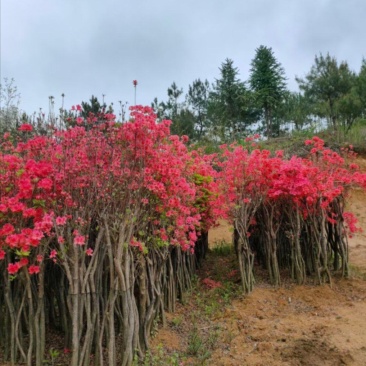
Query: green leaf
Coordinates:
[39,203]
[21,253]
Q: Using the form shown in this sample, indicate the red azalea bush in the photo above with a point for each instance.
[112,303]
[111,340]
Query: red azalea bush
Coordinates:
[102,226]
[289,213]
[113,212]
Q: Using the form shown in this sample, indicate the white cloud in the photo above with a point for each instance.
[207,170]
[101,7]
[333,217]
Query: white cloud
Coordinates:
[85,47]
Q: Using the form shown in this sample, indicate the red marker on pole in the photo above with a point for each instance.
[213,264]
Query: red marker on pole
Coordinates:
[134,82]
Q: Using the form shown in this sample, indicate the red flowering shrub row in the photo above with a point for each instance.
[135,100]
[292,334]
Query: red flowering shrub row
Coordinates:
[52,186]
[108,212]
[289,212]
[102,224]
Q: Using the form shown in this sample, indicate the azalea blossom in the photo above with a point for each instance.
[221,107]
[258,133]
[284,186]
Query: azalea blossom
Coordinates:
[25,127]
[79,240]
[13,268]
[7,229]
[61,220]
[33,269]
[37,234]
[39,258]
[89,252]
[23,262]
[45,183]
[79,121]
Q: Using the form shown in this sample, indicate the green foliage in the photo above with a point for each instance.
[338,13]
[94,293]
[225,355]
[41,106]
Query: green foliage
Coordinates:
[183,123]
[94,107]
[228,108]
[198,99]
[201,346]
[195,343]
[356,136]
[159,358]
[357,272]
[9,106]
[222,249]
[296,109]
[183,119]
[267,81]
[53,356]
[361,84]
[329,86]
[177,321]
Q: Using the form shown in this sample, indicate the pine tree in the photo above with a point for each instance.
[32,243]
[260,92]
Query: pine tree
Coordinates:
[226,106]
[267,80]
[197,99]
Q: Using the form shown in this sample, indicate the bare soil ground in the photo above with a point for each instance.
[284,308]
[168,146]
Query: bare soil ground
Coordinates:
[292,325]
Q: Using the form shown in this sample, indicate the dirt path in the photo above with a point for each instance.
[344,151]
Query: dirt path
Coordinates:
[298,325]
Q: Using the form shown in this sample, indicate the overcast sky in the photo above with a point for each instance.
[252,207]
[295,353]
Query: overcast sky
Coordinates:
[85,47]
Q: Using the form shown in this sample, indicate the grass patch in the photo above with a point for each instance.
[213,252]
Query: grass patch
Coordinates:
[201,342]
[222,249]
[196,323]
[159,358]
[357,272]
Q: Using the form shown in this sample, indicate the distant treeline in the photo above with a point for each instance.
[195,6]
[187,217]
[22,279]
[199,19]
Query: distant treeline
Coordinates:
[331,95]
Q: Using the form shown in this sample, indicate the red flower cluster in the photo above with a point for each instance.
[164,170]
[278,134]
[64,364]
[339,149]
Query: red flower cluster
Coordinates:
[210,283]
[53,186]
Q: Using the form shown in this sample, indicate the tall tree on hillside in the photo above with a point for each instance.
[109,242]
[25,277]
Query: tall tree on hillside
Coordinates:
[227,107]
[198,99]
[9,106]
[361,87]
[349,108]
[159,108]
[174,93]
[267,80]
[182,118]
[326,85]
[183,123]
[95,107]
[297,110]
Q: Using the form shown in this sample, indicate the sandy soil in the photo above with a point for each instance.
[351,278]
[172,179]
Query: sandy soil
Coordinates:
[301,325]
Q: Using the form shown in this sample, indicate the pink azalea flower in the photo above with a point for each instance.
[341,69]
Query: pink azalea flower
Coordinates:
[61,220]
[39,258]
[23,262]
[89,252]
[79,240]
[37,235]
[13,268]
[25,127]
[79,120]
[33,269]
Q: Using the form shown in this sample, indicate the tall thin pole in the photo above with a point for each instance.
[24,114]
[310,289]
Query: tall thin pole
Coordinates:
[134,82]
